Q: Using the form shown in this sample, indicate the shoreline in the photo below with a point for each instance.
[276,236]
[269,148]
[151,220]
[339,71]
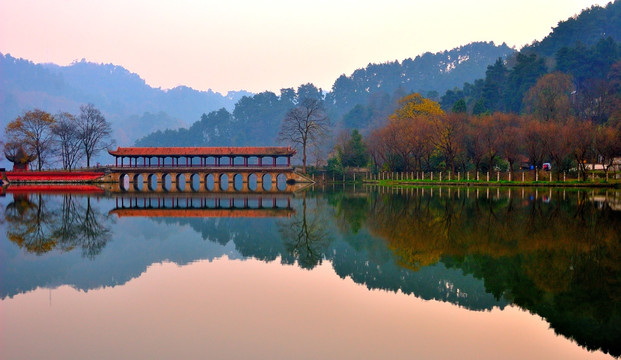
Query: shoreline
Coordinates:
[616,185]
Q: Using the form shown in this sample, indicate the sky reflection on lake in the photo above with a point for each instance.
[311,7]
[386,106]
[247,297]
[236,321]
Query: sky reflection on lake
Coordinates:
[252,288]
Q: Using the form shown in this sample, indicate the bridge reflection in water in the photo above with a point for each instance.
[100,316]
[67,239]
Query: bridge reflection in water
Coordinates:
[203,205]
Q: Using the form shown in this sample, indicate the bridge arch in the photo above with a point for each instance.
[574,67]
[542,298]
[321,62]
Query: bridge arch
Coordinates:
[238,182]
[281,182]
[166,182]
[138,182]
[253,182]
[152,181]
[195,182]
[223,182]
[180,182]
[124,182]
[266,182]
[210,182]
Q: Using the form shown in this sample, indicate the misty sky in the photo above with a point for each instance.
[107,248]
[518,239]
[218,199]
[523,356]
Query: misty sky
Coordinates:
[263,45]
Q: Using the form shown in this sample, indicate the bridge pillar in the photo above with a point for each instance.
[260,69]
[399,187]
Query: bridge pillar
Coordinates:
[245,181]
[145,182]
[274,177]
[231,179]
[188,182]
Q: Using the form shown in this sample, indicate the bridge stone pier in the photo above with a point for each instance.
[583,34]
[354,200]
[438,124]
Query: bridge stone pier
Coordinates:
[213,169]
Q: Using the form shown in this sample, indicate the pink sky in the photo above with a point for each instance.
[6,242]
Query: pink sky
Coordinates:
[262,45]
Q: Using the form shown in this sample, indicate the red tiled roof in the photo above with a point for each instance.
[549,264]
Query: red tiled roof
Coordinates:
[203,151]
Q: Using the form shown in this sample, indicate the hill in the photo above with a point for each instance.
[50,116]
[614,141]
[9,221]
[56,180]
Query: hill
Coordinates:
[355,101]
[585,47]
[132,106]
[587,28]
[429,74]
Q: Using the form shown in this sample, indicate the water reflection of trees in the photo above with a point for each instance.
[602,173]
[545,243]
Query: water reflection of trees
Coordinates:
[305,235]
[39,224]
[560,259]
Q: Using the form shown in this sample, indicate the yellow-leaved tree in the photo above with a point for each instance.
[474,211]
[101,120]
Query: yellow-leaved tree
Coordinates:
[408,132]
[414,105]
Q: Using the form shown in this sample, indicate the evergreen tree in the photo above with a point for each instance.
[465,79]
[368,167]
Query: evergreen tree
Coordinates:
[460,107]
[355,152]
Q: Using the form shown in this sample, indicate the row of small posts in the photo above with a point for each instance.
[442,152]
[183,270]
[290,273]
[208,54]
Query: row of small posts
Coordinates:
[521,176]
[441,176]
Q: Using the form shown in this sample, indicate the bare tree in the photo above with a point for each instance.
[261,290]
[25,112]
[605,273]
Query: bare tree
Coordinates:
[68,140]
[94,131]
[33,131]
[304,125]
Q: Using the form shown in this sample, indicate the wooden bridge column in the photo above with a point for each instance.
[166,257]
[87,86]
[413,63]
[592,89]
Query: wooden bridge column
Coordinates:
[145,182]
[231,180]
[159,182]
[216,181]
[245,181]
[202,184]
[274,176]
[188,182]
[173,180]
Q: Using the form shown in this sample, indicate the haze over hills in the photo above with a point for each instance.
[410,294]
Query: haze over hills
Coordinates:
[133,107]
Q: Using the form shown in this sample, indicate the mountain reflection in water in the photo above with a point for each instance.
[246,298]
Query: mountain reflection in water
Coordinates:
[555,253]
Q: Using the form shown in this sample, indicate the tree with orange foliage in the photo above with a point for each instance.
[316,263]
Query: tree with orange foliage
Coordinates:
[532,139]
[377,147]
[448,136]
[510,143]
[474,142]
[580,137]
[33,131]
[400,136]
[607,145]
[407,136]
[549,98]
[490,132]
[554,136]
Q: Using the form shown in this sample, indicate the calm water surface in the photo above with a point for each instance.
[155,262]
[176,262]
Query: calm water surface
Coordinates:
[365,273]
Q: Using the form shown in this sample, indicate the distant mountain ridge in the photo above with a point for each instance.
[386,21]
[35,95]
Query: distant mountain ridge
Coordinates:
[120,94]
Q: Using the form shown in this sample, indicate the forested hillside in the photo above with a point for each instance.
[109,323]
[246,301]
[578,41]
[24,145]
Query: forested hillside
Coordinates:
[587,28]
[361,100]
[584,47]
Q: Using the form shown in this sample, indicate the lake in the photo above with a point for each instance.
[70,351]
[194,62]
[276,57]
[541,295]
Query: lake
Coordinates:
[328,273]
